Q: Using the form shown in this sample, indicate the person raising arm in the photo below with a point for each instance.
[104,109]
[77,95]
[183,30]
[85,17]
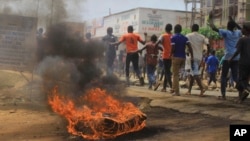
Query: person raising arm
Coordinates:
[131,41]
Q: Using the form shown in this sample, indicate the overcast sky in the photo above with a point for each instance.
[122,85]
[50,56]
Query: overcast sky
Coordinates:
[100,8]
[80,10]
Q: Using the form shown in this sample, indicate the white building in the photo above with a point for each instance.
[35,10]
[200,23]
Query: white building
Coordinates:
[148,20]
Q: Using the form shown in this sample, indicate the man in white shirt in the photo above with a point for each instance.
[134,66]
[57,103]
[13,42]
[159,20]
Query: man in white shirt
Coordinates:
[197,41]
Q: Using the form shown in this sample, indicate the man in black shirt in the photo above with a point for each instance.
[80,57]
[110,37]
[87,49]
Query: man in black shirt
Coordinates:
[110,49]
[243,48]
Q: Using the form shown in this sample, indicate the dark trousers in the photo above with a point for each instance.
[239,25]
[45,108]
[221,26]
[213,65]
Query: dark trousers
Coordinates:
[244,73]
[212,77]
[167,73]
[225,68]
[110,63]
[134,58]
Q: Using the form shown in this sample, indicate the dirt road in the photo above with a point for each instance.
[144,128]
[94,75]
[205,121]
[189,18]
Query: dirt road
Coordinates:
[26,116]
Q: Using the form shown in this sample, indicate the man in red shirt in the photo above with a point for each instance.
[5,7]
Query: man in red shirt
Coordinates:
[152,60]
[130,39]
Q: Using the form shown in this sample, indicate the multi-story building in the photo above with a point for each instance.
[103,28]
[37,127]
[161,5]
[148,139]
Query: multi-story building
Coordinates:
[238,9]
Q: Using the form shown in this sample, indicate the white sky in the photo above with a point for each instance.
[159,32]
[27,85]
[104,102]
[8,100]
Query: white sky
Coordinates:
[100,8]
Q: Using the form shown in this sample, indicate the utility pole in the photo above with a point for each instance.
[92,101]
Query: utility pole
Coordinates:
[52,7]
[193,10]
[109,11]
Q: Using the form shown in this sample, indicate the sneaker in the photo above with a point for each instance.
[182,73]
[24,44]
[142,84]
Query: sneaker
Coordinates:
[172,91]
[221,97]
[176,94]
[142,81]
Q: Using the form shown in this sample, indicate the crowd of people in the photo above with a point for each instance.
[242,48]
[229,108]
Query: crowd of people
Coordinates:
[171,54]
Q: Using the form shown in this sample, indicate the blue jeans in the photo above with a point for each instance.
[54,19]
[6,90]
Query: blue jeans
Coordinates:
[225,68]
[151,74]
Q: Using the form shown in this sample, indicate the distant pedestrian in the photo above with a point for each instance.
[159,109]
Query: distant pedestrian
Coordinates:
[187,67]
[160,68]
[131,40]
[40,44]
[212,67]
[243,48]
[179,44]
[121,62]
[88,37]
[203,64]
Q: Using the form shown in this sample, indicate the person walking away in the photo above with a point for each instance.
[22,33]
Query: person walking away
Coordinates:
[131,40]
[197,41]
[179,43]
[243,48]
[88,37]
[230,81]
[231,37]
[203,64]
[151,60]
[212,67]
[187,68]
[160,72]
[40,45]
[110,50]
[165,40]
[121,62]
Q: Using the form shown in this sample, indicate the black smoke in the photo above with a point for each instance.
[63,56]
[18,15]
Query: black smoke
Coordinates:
[71,63]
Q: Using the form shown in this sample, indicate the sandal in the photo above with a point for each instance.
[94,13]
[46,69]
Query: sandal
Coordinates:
[172,91]
[244,95]
[221,97]
[163,90]
[202,93]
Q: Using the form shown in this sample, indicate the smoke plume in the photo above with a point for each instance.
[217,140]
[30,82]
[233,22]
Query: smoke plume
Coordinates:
[73,64]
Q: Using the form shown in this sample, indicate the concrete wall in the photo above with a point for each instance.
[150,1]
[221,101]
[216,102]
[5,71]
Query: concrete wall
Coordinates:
[17,42]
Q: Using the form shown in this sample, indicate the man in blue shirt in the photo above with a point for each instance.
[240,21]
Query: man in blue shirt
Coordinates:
[179,43]
[231,37]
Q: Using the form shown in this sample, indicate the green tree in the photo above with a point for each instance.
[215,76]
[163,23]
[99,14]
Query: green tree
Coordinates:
[206,31]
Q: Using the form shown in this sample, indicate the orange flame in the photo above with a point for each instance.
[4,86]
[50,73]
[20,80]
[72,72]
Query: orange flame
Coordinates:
[101,117]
